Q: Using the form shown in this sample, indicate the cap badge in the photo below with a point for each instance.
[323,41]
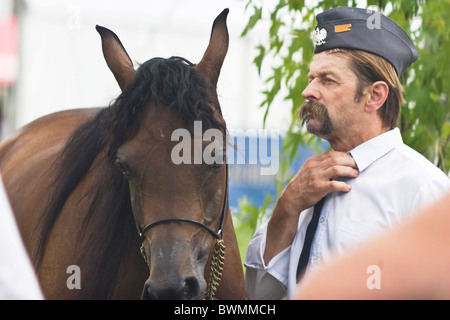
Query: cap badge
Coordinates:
[319,36]
[342,28]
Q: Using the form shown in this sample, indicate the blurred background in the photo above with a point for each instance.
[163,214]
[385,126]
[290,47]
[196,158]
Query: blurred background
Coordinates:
[52,59]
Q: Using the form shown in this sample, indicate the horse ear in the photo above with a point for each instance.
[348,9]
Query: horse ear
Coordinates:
[116,57]
[216,51]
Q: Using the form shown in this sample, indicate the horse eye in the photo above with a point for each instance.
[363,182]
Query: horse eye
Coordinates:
[216,165]
[122,167]
[214,157]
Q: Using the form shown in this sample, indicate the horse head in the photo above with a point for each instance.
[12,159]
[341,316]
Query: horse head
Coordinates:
[169,142]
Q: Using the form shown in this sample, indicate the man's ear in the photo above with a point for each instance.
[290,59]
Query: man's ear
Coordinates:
[377,94]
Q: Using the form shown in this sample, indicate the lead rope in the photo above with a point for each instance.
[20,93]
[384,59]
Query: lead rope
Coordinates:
[215,274]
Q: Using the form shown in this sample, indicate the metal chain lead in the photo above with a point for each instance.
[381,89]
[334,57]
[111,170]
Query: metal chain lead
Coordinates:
[215,274]
[143,253]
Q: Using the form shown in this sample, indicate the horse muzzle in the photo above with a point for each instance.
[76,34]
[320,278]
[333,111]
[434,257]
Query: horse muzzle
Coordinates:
[176,271]
[187,287]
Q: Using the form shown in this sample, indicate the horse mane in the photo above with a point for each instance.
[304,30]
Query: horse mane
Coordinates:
[172,83]
[169,82]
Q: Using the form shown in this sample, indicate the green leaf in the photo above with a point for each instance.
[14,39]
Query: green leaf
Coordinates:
[252,21]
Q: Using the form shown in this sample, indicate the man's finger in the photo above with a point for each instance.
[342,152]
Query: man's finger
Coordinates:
[339,186]
[339,171]
[332,158]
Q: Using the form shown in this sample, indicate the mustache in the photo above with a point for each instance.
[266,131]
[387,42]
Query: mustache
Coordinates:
[312,109]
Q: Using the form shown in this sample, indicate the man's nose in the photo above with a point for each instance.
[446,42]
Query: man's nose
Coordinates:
[311,91]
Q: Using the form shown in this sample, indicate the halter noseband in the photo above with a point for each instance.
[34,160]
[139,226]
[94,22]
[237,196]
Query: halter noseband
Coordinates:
[216,235]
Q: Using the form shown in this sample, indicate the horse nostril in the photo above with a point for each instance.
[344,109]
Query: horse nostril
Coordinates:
[187,289]
[191,288]
[148,293]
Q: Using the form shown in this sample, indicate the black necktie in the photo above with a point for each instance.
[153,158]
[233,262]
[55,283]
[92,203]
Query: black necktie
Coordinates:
[310,231]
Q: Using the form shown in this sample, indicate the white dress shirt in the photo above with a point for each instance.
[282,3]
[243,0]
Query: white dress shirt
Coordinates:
[394,182]
[17,278]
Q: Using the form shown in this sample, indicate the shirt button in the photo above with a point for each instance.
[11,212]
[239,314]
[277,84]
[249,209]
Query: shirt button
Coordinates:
[322,220]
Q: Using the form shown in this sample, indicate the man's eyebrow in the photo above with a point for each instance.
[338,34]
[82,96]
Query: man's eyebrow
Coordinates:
[324,73]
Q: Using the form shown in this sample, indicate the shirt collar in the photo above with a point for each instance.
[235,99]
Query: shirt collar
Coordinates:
[370,151]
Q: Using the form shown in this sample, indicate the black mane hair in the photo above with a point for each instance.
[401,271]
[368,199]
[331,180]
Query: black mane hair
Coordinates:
[167,82]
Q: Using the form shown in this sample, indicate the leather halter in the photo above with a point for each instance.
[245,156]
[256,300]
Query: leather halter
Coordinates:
[217,235]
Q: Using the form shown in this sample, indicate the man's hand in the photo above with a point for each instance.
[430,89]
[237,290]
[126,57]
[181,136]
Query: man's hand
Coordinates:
[316,179]
[311,183]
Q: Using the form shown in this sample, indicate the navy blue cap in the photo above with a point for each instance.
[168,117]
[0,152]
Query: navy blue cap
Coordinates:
[366,30]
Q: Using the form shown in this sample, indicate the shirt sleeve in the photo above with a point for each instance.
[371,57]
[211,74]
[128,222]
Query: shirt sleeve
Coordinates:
[265,282]
[430,192]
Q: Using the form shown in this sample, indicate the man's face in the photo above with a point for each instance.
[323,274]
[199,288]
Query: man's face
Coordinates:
[331,110]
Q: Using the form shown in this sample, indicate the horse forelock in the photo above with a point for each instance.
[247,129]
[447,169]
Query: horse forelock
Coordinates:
[172,83]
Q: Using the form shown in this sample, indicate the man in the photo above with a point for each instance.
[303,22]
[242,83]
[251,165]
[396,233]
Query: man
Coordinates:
[370,181]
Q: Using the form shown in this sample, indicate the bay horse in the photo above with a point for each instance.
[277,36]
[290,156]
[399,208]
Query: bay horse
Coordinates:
[92,189]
